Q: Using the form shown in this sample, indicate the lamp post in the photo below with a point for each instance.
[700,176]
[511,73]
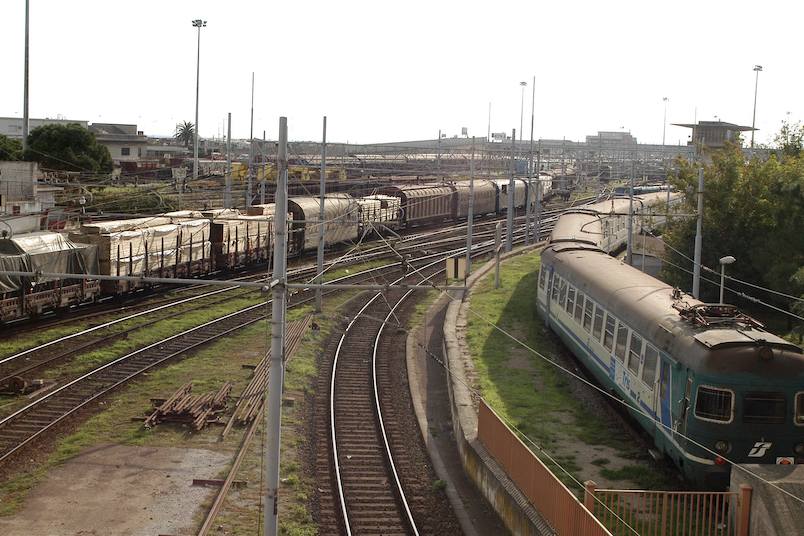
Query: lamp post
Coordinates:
[757,68]
[723,262]
[664,123]
[198,23]
[521,110]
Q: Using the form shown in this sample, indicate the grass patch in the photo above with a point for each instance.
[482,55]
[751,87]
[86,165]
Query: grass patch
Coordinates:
[644,477]
[520,382]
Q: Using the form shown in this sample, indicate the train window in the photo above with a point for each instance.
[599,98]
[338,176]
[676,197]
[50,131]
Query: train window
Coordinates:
[764,408]
[649,368]
[608,336]
[622,341]
[799,416]
[556,280]
[635,353]
[542,277]
[570,299]
[713,404]
[579,310]
[598,329]
[562,293]
[665,379]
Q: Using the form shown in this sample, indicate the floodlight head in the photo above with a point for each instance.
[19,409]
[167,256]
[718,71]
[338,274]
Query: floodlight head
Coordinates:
[198,23]
[757,67]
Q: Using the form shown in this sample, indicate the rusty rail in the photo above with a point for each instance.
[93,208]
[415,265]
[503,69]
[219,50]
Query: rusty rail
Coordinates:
[193,410]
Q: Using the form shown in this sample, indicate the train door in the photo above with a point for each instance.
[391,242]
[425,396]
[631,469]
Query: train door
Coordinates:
[548,294]
[684,410]
[665,386]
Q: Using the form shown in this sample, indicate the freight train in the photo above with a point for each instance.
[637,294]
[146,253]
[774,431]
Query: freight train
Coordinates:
[707,382]
[188,244]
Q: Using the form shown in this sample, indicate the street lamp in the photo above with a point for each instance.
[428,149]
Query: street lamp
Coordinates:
[198,23]
[757,68]
[723,262]
[664,123]
[521,110]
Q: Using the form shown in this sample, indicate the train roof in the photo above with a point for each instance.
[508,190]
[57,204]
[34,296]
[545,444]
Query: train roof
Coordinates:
[309,208]
[655,308]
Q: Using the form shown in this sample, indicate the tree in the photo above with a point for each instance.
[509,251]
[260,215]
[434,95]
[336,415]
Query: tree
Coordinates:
[10,149]
[68,148]
[185,132]
[752,210]
[789,141]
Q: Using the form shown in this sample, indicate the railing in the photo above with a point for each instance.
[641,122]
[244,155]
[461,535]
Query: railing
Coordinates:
[557,504]
[669,513]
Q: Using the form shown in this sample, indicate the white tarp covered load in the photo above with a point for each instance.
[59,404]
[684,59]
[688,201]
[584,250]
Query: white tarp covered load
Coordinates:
[131,251]
[45,252]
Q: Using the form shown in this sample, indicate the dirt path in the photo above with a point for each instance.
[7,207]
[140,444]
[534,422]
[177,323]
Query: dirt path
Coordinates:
[114,490]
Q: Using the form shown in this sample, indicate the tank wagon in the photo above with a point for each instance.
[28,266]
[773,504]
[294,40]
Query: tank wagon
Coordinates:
[708,383]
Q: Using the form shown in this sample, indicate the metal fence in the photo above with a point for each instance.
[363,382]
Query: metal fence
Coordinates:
[557,504]
[669,513]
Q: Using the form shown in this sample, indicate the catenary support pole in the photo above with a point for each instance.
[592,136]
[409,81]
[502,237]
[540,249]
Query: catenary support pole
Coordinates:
[26,122]
[509,231]
[630,241]
[249,193]
[262,182]
[227,195]
[470,214]
[538,232]
[320,272]
[696,269]
[276,371]
[530,209]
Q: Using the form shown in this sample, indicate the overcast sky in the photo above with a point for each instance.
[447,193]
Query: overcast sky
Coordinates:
[396,71]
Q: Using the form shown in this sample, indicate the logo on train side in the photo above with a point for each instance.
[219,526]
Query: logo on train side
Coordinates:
[759,450]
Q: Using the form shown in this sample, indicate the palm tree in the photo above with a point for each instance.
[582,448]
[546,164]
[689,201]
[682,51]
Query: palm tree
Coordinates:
[185,132]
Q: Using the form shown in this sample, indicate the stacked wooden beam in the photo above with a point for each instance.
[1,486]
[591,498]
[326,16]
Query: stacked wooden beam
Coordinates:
[192,410]
[251,400]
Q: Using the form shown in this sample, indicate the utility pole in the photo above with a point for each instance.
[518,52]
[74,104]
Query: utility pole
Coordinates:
[25,119]
[249,195]
[696,269]
[320,272]
[509,231]
[276,371]
[227,195]
[470,215]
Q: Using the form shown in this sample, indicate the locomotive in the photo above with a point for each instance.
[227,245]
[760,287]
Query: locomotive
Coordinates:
[706,382]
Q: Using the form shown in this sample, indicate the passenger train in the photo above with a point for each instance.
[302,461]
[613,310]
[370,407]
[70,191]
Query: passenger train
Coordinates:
[708,383]
[194,243]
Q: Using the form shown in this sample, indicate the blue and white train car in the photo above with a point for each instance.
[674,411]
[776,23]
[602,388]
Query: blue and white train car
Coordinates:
[707,383]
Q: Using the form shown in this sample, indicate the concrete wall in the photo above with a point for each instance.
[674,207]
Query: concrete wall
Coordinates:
[773,512]
[18,180]
[508,501]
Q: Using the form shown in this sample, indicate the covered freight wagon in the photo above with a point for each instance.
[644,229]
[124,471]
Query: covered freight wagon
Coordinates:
[150,248]
[484,198]
[424,203]
[44,252]
[340,221]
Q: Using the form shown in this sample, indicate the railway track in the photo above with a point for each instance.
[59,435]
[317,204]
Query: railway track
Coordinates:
[369,458]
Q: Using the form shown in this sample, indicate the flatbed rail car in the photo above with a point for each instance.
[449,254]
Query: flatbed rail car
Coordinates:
[44,252]
[709,384]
